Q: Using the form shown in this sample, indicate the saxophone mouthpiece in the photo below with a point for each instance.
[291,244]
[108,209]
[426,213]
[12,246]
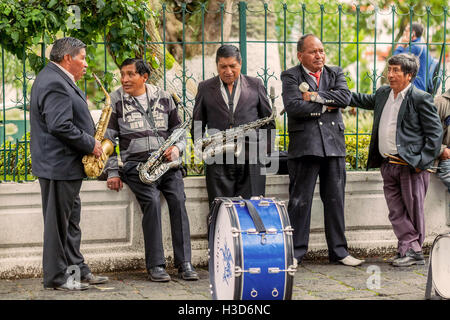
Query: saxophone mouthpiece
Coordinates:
[176,98]
[272,95]
[96,78]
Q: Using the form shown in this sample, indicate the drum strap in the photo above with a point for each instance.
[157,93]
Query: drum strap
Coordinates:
[259,225]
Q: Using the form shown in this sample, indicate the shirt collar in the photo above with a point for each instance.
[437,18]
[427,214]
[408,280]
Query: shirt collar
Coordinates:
[402,93]
[237,82]
[71,77]
[309,71]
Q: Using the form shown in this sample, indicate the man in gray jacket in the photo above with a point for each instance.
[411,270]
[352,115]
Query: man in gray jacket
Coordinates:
[406,138]
[143,117]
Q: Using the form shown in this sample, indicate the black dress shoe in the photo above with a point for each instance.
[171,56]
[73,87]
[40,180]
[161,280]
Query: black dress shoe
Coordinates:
[70,286]
[91,279]
[411,257]
[187,272]
[392,259]
[158,274]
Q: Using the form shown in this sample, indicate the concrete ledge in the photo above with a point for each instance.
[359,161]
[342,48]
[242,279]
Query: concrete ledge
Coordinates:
[112,232]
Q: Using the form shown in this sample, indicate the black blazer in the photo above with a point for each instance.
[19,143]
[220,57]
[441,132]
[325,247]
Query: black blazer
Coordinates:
[211,110]
[419,129]
[312,132]
[62,128]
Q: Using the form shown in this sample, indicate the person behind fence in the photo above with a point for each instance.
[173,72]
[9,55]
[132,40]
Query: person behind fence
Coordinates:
[442,103]
[406,138]
[226,101]
[313,95]
[62,132]
[143,117]
[419,50]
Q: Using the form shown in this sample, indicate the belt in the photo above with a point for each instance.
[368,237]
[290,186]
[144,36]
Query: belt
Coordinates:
[395,159]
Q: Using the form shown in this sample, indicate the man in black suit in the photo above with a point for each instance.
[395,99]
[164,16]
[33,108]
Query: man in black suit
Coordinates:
[62,132]
[226,101]
[406,138]
[316,147]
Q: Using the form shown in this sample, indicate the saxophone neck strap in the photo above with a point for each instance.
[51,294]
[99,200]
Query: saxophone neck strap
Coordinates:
[149,116]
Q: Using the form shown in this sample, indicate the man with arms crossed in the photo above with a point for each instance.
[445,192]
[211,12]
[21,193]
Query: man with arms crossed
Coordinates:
[316,147]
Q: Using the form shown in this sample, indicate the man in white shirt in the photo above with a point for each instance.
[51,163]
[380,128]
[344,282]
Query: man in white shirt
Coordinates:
[406,138]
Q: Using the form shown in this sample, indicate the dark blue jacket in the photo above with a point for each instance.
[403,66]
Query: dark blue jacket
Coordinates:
[421,51]
[62,128]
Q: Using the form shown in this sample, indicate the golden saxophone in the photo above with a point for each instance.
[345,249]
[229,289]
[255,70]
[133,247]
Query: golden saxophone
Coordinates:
[93,166]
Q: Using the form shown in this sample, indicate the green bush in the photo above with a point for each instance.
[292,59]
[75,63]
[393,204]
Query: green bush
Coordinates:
[13,163]
[359,153]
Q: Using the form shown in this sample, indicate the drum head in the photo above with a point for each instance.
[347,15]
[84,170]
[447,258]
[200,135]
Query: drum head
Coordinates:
[223,251]
[440,266]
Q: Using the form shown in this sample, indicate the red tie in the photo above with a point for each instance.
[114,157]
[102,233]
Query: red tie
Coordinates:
[317,76]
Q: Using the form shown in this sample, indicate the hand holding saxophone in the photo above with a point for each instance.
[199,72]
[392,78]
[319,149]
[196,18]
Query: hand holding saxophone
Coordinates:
[172,153]
[98,150]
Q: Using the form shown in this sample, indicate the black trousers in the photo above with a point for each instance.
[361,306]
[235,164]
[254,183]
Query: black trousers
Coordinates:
[233,180]
[172,187]
[61,207]
[303,174]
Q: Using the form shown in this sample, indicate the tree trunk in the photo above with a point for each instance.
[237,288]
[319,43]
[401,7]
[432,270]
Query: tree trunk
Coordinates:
[212,23]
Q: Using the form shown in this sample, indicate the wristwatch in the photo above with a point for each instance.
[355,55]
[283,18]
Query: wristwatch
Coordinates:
[313,97]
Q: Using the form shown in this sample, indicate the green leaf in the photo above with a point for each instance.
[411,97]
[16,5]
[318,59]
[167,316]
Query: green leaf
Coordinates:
[100,4]
[52,4]
[15,36]
[155,62]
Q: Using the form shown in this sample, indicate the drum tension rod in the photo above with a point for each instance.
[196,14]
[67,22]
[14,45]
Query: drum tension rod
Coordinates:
[275,270]
[238,271]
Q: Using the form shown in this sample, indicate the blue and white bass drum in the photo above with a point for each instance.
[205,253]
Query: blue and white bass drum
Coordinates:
[250,250]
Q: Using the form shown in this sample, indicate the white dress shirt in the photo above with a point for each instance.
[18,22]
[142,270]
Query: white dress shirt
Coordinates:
[387,131]
[65,71]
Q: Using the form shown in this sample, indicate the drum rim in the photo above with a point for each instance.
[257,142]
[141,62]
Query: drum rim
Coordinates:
[288,241]
[446,235]
[237,243]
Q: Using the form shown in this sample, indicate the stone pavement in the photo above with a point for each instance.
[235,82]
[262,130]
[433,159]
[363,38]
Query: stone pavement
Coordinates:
[314,280]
